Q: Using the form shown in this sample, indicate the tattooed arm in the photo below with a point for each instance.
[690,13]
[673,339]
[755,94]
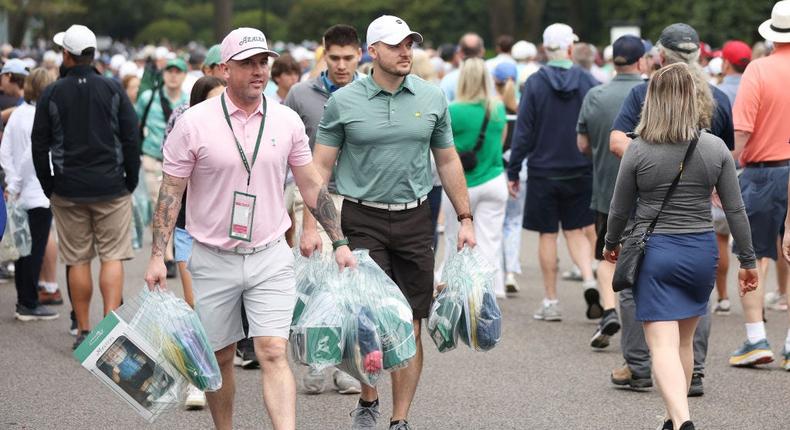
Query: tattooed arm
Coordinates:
[167,208]
[317,199]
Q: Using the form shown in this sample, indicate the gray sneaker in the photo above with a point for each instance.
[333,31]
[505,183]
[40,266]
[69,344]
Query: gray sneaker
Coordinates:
[345,384]
[550,312]
[400,425]
[313,381]
[364,418]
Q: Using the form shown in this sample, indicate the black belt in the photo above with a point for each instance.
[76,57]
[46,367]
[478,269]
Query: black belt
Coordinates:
[781,163]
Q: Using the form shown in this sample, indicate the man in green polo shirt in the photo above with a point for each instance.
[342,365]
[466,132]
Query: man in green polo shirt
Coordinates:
[384,127]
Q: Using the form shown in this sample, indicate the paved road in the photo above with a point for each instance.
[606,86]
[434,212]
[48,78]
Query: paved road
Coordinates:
[541,376]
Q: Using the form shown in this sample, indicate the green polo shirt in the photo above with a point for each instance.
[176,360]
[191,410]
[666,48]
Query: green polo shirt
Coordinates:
[385,139]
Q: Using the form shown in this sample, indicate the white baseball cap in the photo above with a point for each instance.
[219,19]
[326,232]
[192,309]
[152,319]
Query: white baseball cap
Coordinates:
[523,50]
[559,36]
[76,39]
[243,43]
[390,30]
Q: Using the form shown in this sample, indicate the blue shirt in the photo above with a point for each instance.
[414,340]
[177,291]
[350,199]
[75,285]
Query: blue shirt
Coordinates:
[729,86]
[721,123]
[449,83]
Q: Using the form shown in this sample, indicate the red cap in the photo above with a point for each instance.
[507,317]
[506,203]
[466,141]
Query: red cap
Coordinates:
[737,53]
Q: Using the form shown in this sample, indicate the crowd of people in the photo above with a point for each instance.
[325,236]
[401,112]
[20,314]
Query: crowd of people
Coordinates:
[672,142]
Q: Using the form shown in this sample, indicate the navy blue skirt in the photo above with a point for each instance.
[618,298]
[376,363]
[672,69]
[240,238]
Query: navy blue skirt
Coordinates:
[676,277]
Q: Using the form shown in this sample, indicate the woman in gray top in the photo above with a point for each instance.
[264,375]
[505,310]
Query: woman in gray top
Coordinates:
[679,268]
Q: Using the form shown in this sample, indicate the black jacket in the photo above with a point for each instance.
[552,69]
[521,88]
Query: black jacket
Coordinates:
[88,124]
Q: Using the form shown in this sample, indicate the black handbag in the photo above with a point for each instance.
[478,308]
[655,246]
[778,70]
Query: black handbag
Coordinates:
[632,252]
[469,158]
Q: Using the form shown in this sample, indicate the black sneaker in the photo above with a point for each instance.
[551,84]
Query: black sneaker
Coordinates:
[668,425]
[696,389]
[593,299]
[39,313]
[80,338]
[623,377]
[73,330]
[688,425]
[172,270]
[248,358]
[608,327]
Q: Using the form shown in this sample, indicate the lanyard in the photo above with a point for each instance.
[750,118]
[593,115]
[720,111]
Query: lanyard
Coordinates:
[247,165]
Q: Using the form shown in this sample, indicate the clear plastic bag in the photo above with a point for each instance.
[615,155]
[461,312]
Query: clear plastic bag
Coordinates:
[467,306]
[17,241]
[173,329]
[142,211]
[360,310]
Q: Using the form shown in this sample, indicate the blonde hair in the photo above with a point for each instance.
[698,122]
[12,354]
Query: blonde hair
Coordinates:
[36,81]
[703,95]
[422,67]
[474,82]
[670,113]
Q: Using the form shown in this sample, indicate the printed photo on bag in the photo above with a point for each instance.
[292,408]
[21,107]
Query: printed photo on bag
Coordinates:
[133,371]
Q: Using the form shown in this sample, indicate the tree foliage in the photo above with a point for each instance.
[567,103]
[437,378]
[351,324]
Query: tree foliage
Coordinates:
[438,20]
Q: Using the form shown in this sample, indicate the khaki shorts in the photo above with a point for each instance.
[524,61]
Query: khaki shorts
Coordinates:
[298,215]
[263,281]
[85,229]
[152,172]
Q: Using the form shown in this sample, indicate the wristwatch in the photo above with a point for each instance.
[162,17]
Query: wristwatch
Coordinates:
[340,242]
[468,216]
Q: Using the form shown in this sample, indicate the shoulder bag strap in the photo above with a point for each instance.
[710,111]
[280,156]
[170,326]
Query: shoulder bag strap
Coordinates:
[482,136]
[674,185]
[146,110]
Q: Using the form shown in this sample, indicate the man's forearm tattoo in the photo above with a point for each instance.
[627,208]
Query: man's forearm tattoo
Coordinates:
[167,208]
[325,213]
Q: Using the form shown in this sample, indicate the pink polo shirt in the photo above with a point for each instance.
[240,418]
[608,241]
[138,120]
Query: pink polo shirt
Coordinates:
[201,148]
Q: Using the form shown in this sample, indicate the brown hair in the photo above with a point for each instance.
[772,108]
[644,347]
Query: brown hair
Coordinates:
[283,65]
[202,87]
[36,81]
[670,113]
[126,80]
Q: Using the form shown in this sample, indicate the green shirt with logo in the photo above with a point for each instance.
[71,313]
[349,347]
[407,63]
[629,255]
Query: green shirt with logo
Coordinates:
[385,139]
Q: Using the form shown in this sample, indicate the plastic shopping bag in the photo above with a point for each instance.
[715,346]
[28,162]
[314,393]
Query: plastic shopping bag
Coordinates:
[123,352]
[142,211]
[17,241]
[174,328]
[467,306]
[357,319]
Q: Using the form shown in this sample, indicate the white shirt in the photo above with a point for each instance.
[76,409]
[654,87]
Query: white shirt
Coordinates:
[502,57]
[16,159]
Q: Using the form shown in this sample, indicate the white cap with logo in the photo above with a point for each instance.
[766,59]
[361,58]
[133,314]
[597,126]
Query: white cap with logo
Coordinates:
[243,43]
[558,36]
[76,39]
[390,30]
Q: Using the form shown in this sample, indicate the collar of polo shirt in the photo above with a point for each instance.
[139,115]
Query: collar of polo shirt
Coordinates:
[374,89]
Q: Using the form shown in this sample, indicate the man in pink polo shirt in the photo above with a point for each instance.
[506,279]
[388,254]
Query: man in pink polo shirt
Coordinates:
[234,150]
[762,145]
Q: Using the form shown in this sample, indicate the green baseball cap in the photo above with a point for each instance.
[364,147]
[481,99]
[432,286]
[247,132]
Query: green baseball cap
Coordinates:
[213,56]
[177,63]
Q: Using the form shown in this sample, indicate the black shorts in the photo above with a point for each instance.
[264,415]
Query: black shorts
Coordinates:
[401,243]
[551,202]
[600,234]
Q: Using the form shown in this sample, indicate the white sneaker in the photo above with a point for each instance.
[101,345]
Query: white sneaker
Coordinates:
[196,399]
[575,274]
[313,381]
[776,302]
[345,384]
[722,307]
[511,285]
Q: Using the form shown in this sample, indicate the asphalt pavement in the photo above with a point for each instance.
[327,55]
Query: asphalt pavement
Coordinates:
[541,376]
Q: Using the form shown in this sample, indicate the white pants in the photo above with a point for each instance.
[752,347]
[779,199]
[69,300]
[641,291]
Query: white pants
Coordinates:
[487,202]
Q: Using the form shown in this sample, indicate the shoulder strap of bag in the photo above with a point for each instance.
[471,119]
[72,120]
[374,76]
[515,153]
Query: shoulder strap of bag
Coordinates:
[482,136]
[147,109]
[165,103]
[674,184]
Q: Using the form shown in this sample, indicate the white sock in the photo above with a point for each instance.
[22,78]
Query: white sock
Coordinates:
[755,332]
[547,302]
[50,287]
[787,341]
